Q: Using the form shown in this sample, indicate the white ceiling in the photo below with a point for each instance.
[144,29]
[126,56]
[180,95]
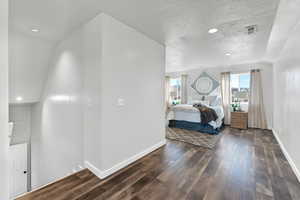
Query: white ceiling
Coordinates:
[286,21]
[28,66]
[181,25]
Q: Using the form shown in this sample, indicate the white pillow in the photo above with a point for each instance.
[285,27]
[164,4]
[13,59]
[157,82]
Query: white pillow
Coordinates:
[206,102]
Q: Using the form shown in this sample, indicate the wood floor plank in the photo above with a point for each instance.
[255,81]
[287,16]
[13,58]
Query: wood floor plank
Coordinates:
[244,165]
[280,189]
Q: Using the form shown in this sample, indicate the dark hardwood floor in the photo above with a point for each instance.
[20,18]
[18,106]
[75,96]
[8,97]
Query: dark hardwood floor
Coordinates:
[244,165]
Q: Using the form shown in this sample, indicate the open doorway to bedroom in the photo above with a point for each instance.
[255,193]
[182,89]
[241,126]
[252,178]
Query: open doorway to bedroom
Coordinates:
[194,109]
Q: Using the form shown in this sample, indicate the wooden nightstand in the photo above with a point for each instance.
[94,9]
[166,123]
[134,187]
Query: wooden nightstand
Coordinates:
[239,120]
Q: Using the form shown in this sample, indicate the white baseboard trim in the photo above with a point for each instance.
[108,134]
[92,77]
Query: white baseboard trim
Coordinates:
[93,169]
[287,155]
[48,184]
[103,174]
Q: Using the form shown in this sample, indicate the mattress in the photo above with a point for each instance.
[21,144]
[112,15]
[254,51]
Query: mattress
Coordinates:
[185,112]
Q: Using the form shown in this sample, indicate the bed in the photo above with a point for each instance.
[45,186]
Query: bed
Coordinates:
[188,117]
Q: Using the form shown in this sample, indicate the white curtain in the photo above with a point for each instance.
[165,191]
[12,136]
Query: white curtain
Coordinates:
[167,93]
[256,112]
[226,95]
[184,95]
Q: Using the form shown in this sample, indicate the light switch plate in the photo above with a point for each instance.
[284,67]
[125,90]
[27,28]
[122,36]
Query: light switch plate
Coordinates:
[121,102]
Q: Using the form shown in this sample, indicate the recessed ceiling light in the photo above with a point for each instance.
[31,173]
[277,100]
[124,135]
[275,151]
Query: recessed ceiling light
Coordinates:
[19,98]
[213,30]
[35,30]
[228,54]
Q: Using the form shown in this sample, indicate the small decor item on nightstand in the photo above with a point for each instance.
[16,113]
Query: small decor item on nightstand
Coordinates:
[238,97]
[236,106]
[175,101]
[175,98]
[239,120]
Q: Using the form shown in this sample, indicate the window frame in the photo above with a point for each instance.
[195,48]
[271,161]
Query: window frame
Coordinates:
[231,94]
[178,96]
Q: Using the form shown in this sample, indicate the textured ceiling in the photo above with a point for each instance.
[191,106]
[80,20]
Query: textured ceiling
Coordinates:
[181,25]
[287,18]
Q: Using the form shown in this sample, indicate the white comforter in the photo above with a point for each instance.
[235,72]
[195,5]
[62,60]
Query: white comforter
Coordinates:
[186,112]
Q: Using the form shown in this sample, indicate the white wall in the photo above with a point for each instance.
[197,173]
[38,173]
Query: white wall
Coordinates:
[20,115]
[215,72]
[287,96]
[121,64]
[57,140]
[4,100]
[92,32]
[28,66]
[133,70]
[36,124]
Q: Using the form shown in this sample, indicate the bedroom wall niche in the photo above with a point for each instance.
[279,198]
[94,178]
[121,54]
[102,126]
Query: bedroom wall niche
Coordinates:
[215,72]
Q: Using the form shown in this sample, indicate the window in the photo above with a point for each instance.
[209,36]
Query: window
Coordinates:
[240,87]
[175,90]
